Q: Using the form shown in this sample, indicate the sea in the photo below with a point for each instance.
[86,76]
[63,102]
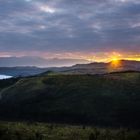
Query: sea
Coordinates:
[5,77]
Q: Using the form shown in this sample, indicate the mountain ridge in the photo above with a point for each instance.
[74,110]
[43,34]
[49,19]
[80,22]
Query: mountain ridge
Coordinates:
[89,68]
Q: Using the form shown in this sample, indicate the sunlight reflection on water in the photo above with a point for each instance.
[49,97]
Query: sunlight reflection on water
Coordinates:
[5,77]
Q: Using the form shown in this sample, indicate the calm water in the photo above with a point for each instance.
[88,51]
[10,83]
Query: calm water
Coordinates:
[5,77]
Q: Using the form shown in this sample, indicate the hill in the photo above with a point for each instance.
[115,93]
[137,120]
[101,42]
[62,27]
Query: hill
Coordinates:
[109,99]
[90,68]
[101,68]
[21,71]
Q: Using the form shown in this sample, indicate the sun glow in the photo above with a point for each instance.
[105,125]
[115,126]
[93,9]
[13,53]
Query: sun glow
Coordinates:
[115,62]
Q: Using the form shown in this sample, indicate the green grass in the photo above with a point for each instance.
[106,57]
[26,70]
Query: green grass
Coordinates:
[42,131]
[129,76]
[106,100]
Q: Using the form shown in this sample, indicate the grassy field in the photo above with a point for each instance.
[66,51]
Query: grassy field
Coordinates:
[42,131]
[102,100]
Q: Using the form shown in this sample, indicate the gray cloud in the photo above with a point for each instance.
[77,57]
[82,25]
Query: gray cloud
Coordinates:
[69,25]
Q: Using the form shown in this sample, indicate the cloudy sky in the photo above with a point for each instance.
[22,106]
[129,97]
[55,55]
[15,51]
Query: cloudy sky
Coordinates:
[97,30]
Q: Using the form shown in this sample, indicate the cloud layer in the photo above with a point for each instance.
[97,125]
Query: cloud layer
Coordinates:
[69,26]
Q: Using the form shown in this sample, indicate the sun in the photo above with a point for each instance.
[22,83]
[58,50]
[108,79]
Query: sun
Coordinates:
[115,59]
[115,62]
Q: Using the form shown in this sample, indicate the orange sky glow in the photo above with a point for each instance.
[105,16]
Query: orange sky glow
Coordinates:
[90,56]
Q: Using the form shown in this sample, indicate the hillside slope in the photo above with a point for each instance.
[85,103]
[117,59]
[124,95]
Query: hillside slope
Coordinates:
[110,99]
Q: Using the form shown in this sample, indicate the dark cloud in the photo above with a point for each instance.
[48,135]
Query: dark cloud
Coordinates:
[69,25]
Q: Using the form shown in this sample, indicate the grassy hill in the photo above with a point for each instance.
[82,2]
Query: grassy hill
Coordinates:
[43,131]
[109,99]
[7,82]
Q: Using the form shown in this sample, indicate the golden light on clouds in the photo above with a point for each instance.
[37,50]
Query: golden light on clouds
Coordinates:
[105,57]
[114,56]
[90,56]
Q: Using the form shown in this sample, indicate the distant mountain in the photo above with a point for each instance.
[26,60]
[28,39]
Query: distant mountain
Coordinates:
[38,62]
[90,68]
[101,68]
[21,71]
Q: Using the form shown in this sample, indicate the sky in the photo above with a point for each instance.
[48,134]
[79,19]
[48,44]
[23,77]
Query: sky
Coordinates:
[95,30]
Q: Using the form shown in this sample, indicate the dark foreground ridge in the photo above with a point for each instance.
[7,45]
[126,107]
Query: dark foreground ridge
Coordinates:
[105,100]
[43,131]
